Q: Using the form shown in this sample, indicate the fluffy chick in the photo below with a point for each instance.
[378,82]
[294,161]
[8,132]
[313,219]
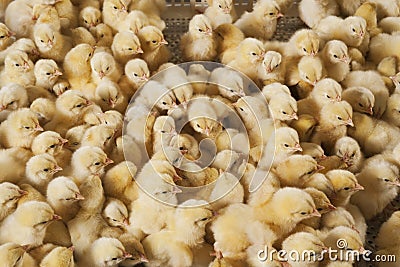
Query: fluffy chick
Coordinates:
[271,69]
[312,12]
[137,73]
[336,60]
[108,96]
[103,66]
[135,20]
[12,97]
[380,181]
[229,82]
[89,17]
[115,213]
[313,150]
[10,194]
[46,73]
[344,184]
[349,151]
[220,12]
[115,12]
[304,42]
[304,126]
[283,108]
[59,256]
[391,114]
[18,68]
[126,46]
[155,52]
[387,229]
[27,225]
[261,22]
[360,98]
[199,43]
[77,65]
[228,37]
[106,251]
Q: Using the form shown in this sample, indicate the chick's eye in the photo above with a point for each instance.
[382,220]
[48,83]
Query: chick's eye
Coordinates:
[303,213]
[114,259]
[79,105]
[154,41]
[386,180]
[271,14]
[115,7]
[310,172]
[97,163]
[17,65]
[135,74]
[347,188]
[320,209]
[200,30]
[339,118]
[254,54]
[204,219]
[286,145]
[335,56]
[46,170]
[85,21]
[328,96]
[219,6]
[48,73]
[27,127]
[2,36]
[361,105]
[305,50]
[241,109]
[284,112]
[52,146]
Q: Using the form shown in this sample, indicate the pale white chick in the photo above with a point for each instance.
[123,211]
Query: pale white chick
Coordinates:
[155,51]
[320,182]
[59,256]
[163,132]
[13,254]
[137,73]
[119,182]
[46,73]
[373,82]
[108,96]
[351,30]
[389,24]
[77,65]
[40,170]
[20,128]
[82,35]
[9,196]
[227,191]
[202,117]
[304,42]
[115,12]
[350,152]
[312,12]
[229,82]
[197,75]
[88,161]
[360,98]
[27,225]
[7,36]
[105,252]
[24,44]
[185,231]
[336,59]
[249,54]
[115,213]
[103,66]
[220,12]
[199,42]
[283,108]
[126,46]
[18,68]
[50,43]
[89,17]
[380,181]
[335,218]
[261,22]
[74,136]
[271,69]
[344,184]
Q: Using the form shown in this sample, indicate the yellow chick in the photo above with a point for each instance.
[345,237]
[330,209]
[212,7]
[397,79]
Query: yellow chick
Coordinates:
[119,182]
[45,14]
[312,12]
[89,17]
[283,108]
[20,128]
[344,184]
[261,22]
[333,121]
[126,46]
[391,114]
[82,35]
[322,203]
[228,37]
[10,194]
[155,52]
[92,116]
[51,143]
[163,131]
[380,181]
[105,251]
[336,60]
[249,55]
[387,230]
[18,68]
[389,24]
[40,170]
[14,255]
[135,20]
[61,86]
[271,70]
[50,43]
[103,66]
[152,8]
[383,45]
[226,182]
[103,33]
[360,98]
[291,176]
[304,126]
[59,256]
[63,196]
[7,39]
[320,182]
[12,97]
[88,161]
[335,218]
[368,11]
[349,151]
[203,117]
[373,82]
[220,13]
[44,109]
[137,73]
[187,144]
[77,65]
[109,96]
[46,73]
[23,11]
[24,44]
[115,12]
[74,136]
[304,42]
[199,42]
[313,150]
[27,225]
[351,30]
[115,213]
[230,84]
[388,68]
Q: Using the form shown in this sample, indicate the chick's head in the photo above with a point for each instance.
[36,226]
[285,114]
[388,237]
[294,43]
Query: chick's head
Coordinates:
[25,121]
[75,135]
[48,142]
[18,61]
[224,6]
[320,182]
[12,254]
[381,175]
[355,27]
[44,37]
[348,150]
[126,43]
[310,70]
[47,70]
[72,103]
[136,20]
[287,140]
[165,171]
[91,159]
[103,64]
[360,98]
[283,107]
[393,109]
[297,169]
[151,38]
[42,167]
[164,125]
[108,92]
[13,96]
[337,52]
[59,256]
[344,183]
[351,236]
[271,61]
[5,34]
[195,213]
[64,189]
[204,125]
[35,214]
[252,50]
[200,26]
[326,91]
[322,202]
[60,87]
[116,213]
[137,71]
[10,194]
[107,251]
[269,10]
[337,114]
[306,42]
[303,241]
[89,17]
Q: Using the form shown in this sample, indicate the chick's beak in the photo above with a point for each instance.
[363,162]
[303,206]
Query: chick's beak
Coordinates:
[144,78]
[58,73]
[126,222]
[297,147]
[331,207]
[396,183]
[78,196]
[63,141]
[127,255]
[294,116]
[338,98]
[22,192]
[57,169]
[279,15]
[176,178]
[139,50]
[111,103]
[370,110]
[163,42]
[38,128]
[101,74]
[323,157]
[26,66]
[315,213]
[108,161]
[176,190]
[143,258]
[56,217]
[349,122]
[358,188]
[2,108]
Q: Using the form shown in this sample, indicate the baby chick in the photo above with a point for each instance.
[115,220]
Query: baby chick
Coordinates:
[387,229]
[312,12]
[126,46]
[99,136]
[115,213]
[261,22]
[322,203]
[230,84]
[14,254]
[103,66]
[20,128]
[137,73]
[89,17]
[304,126]
[119,182]
[391,114]
[336,59]
[360,98]
[27,225]
[155,52]
[380,181]
[51,143]
[12,97]
[203,117]
[220,12]
[77,65]
[51,43]
[46,73]
[313,150]
[333,121]
[349,151]
[115,12]
[320,182]
[103,34]
[283,108]
[163,131]
[335,218]
[82,35]
[271,69]
[389,24]
[199,43]
[44,109]
[108,96]
[18,68]
[59,256]
[10,194]
[228,37]
[304,42]
[135,20]
[373,82]
[106,251]
[63,196]
[344,184]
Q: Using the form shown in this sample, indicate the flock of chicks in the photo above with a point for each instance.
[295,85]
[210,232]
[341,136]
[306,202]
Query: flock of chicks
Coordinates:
[69,193]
